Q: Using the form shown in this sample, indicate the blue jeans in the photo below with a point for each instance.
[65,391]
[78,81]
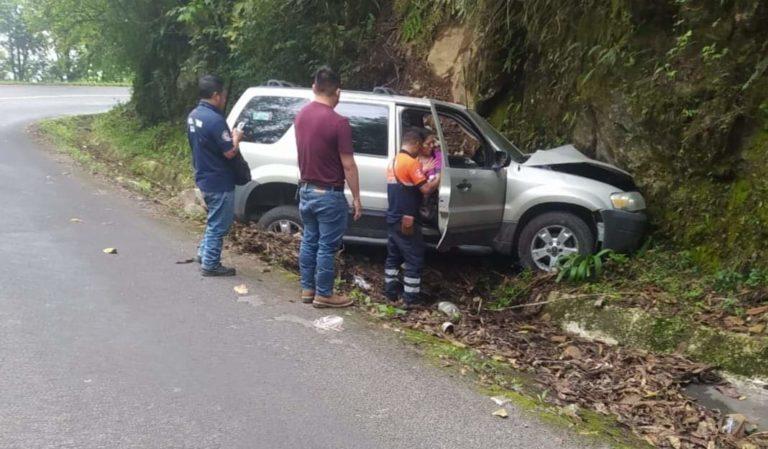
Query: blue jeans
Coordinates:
[324,213]
[221,214]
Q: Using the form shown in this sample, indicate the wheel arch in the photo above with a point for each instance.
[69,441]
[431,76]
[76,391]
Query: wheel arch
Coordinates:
[255,198]
[582,212]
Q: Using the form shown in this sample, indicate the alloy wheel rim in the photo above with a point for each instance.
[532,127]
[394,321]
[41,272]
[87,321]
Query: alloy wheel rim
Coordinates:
[287,227]
[550,244]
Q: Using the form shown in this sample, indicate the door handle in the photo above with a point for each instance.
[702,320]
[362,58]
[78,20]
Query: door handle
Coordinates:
[464,186]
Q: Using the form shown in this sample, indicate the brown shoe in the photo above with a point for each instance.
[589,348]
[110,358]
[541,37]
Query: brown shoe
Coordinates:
[334,302]
[307,296]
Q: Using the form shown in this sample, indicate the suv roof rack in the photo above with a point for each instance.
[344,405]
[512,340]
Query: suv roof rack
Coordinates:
[279,83]
[384,90]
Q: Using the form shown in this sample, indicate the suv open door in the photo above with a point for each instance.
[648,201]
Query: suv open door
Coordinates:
[473,183]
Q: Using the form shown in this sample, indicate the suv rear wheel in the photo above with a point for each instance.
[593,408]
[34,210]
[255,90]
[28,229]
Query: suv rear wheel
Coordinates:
[550,236]
[281,220]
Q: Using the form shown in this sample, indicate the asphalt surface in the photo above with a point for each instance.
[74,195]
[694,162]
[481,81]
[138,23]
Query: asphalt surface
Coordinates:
[135,351]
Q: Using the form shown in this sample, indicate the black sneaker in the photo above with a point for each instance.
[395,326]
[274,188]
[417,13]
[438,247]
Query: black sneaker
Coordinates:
[416,305]
[221,270]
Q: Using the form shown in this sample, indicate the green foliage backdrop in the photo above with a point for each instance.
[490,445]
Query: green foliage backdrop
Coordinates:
[675,91]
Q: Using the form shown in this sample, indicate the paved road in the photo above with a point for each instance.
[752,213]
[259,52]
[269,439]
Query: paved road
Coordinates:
[135,351]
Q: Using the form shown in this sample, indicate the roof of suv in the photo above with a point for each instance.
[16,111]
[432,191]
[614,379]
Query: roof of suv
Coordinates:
[349,94]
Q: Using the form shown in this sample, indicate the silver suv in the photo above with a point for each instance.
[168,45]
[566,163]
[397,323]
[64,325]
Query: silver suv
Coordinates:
[542,205]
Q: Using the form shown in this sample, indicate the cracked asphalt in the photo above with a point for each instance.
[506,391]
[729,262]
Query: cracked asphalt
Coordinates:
[135,351]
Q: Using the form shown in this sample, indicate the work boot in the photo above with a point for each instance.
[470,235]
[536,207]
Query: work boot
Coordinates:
[221,270]
[333,302]
[307,296]
[414,305]
[198,259]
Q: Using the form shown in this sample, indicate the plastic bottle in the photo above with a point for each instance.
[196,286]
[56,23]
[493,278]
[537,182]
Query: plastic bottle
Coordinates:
[450,310]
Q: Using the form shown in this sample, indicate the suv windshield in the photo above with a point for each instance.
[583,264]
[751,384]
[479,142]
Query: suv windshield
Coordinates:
[497,138]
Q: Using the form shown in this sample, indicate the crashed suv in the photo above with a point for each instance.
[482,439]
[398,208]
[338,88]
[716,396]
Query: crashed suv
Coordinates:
[540,206]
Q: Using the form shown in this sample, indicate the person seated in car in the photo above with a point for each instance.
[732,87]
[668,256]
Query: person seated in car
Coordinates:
[431,158]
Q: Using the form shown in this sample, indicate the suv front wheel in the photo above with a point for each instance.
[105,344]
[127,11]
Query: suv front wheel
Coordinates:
[281,220]
[550,236]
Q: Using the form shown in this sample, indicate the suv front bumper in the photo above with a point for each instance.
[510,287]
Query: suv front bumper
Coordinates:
[624,231]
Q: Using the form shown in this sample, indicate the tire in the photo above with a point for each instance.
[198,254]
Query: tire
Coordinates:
[536,254]
[281,219]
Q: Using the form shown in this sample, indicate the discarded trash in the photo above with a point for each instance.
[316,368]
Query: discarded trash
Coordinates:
[501,401]
[75,220]
[329,323]
[110,250]
[501,413]
[185,261]
[447,327]
[241,289]
[735,424]
[449,309]
[361,283]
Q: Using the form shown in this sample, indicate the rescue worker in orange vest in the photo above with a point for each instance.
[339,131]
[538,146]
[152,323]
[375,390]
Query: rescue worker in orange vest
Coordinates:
[406,187]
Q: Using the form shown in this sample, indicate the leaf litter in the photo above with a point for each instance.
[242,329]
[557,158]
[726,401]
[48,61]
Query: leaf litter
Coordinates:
[641,390]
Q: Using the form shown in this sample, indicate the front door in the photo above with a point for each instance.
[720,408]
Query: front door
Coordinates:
[472,189]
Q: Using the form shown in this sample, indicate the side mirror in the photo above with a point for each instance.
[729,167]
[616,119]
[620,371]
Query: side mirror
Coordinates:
[501,160]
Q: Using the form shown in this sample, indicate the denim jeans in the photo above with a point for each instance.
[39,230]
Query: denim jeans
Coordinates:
[324,214]
[409,249]
[221,214]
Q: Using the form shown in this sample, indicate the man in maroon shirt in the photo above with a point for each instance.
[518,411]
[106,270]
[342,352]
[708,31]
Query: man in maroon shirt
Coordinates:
[326,160]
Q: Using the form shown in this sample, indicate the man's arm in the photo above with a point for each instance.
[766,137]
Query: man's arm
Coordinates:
[347,156]
[353,181]
[227,141]
[237,136]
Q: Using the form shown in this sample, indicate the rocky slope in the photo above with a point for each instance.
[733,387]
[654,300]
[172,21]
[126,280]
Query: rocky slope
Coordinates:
[674,91]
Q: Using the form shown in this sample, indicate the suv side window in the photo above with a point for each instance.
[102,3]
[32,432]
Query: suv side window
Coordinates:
[267,119]
[370,127]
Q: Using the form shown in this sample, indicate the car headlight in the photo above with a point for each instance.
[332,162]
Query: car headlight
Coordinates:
[628,201]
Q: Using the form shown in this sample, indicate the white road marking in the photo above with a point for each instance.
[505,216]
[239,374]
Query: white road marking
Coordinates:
[39,97]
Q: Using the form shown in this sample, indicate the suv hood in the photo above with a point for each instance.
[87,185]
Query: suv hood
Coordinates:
[567,159]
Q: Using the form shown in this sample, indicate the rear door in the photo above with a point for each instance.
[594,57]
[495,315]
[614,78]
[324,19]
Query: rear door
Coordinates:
[472,190]
[372,139]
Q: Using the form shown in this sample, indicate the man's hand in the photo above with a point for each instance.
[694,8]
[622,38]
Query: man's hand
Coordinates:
[357,206]
[237,136]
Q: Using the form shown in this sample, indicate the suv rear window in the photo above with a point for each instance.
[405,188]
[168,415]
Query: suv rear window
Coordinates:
[370,127]
[267,119]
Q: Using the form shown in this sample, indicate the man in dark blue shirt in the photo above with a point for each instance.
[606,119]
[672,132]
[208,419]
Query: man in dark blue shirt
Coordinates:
[213,144]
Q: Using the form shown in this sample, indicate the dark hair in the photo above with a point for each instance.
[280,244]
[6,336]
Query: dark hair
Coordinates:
[208,85]
[413,136]
[327,82]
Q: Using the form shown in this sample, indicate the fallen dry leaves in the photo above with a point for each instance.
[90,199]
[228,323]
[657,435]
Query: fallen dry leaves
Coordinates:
[641,390]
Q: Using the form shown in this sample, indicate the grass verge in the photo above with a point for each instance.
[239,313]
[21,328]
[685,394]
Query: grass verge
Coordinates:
[153,161]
